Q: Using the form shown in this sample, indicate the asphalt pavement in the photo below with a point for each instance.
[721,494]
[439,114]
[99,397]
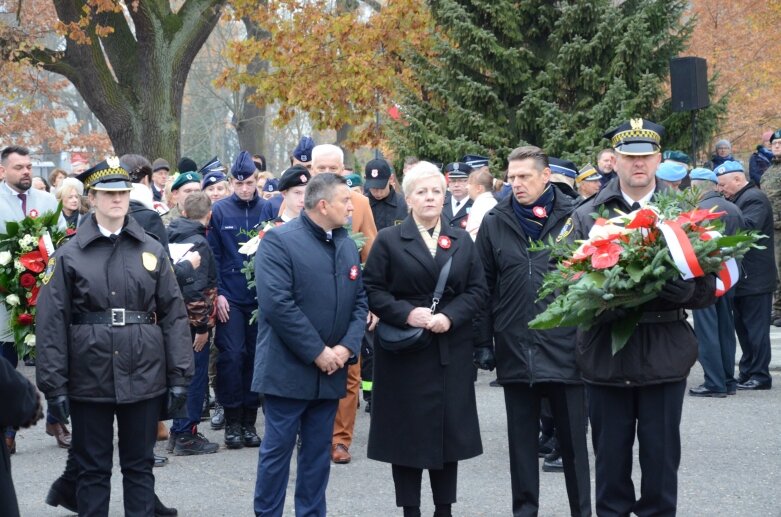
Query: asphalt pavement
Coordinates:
[731,465]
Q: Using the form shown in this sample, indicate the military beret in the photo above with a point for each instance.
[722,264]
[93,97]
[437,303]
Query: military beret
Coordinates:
[377,172]
[186,165]
[354,180]
[637,137]
[243,166]
[676,156]
[564,167]
[106,175]
[728,167]
[185,178]
[458,170]
[701,173]
[776,135]
[671,171]
[293,177]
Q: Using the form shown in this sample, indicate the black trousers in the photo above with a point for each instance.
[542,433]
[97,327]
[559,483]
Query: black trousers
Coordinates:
[654,414]
[523,404]
[407,483]
[752,325]
[92,445]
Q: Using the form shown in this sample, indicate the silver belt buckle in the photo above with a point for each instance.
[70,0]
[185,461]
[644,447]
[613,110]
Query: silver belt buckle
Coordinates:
[117,317]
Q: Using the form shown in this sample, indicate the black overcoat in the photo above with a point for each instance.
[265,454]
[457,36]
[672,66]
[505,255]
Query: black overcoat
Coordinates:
[424,412]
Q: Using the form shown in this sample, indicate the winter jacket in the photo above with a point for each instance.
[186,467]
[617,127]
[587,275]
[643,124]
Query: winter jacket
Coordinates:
[758,163]
[758,268]
[200,290]
[311,295]
[656,352]
[514,275]
[103,362]
[232,220]
[389,211]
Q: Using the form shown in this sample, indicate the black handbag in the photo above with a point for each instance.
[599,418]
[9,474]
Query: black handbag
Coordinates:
[408,339]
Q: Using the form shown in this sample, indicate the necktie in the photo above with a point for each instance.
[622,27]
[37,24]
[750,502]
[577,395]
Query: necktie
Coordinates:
[113,237]
[23,197]
[635,206]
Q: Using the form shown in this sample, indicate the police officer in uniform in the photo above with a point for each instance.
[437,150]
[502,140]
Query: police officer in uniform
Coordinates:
[112,340]
[638,391]
[457,203]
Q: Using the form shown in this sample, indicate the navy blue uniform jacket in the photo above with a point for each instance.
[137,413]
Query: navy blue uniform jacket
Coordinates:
[310,293]
[229,217]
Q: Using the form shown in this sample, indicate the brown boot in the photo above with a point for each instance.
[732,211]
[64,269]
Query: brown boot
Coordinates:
[60,433]
[162,432]
[10,443]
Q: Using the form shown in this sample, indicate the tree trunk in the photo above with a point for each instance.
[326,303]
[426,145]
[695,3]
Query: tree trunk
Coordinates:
[341,136]
[133,80]
[250,122]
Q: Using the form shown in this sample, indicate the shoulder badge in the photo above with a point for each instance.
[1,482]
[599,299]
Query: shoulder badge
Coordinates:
[47,274]
[149,260]
[565,230]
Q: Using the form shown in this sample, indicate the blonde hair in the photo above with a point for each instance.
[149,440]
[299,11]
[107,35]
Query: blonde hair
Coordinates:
[69,184]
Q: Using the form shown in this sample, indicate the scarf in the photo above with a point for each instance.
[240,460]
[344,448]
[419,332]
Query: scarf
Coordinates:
[532,217]
[430,239]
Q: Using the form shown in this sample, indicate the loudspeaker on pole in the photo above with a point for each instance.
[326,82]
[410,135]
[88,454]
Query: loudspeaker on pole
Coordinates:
[689,83]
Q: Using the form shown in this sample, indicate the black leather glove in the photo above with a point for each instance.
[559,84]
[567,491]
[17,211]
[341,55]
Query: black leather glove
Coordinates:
[483,358]
[677,290]
[177,402]
[59,408]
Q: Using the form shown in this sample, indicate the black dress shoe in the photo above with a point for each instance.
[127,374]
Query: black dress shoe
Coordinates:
[702,391]
[753,384]
[160,461]
[553,463]
[249,436]
[161,510]
[62,493]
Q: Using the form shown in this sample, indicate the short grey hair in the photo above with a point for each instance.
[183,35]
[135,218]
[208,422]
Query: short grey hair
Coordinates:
[704,185]
[325,150]
[419,171]
[322,186]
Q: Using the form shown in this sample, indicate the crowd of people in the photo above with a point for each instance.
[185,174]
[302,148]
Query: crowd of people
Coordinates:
[396,286]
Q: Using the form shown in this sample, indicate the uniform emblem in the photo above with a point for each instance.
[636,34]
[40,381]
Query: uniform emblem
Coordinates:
[47,275]
[636,123]
[303,158]
[539,211]
[149,260]
[354,272]
[463,222]
[303,178]
[112,162]
[444,242]
[375,173]
[565,230]
[33,213]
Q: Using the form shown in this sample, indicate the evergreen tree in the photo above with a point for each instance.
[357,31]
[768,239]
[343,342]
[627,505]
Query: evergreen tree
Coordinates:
[553,74]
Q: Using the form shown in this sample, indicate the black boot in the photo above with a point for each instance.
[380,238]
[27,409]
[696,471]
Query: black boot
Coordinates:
[161,510]
[233,435]
[249,435]
[62,493]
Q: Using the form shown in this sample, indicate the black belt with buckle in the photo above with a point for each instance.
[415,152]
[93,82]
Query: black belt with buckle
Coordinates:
[114,317]
[663,316]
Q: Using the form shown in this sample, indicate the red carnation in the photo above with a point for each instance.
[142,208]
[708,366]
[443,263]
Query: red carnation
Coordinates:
[27,280]
[25,319]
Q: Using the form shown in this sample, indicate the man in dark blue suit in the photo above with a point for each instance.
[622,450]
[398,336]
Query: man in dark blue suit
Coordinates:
[313,312]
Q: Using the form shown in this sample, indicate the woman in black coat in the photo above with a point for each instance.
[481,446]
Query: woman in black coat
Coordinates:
[424,414]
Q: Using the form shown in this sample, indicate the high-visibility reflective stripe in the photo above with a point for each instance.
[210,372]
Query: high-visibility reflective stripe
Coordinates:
[366,385]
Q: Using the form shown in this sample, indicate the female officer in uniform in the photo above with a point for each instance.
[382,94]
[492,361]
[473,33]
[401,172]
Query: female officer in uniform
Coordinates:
[112,337]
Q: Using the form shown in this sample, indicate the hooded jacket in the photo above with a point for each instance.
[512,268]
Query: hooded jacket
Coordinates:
[199,291]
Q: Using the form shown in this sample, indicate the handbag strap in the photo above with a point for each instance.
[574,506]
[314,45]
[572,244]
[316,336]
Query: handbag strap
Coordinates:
[440,288]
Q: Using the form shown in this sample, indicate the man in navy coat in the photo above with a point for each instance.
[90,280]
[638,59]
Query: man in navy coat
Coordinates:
[313,312]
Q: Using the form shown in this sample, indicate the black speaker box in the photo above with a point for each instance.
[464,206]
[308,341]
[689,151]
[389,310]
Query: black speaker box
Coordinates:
[689,83]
